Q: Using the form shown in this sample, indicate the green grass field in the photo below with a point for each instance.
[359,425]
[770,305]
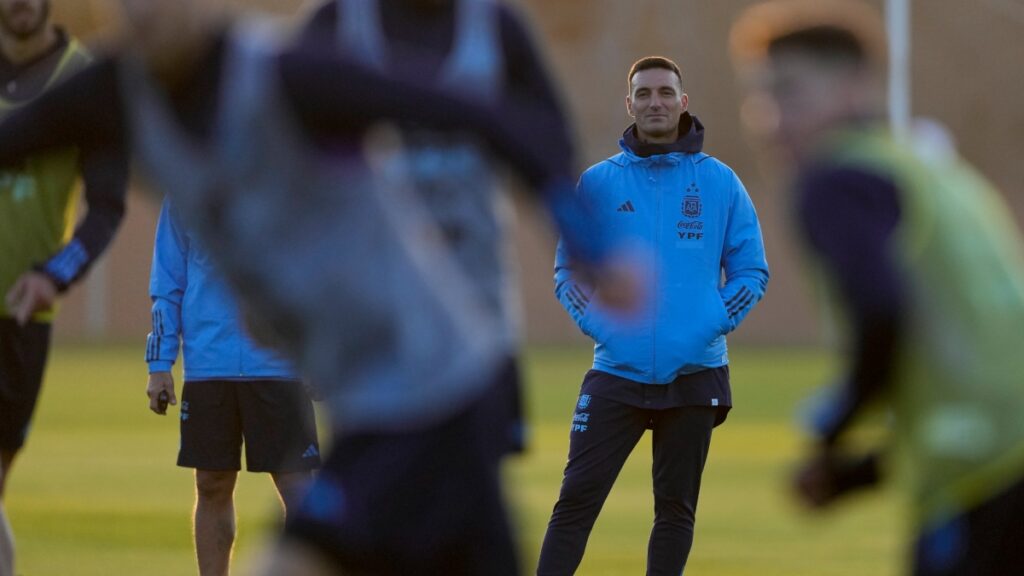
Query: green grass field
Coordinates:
[97,494]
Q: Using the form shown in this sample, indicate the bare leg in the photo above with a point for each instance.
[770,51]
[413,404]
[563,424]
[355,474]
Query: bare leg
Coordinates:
[6,535]
[291,487]
[214,521]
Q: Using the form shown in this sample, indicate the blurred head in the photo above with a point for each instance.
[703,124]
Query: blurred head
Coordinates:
[809,67]
[656,99]
[166,32]
[23,19]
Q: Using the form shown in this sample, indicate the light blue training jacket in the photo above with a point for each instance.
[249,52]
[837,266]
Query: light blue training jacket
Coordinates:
[193,309]
[693,217]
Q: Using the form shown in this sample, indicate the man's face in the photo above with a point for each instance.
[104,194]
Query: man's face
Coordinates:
[656,101]
[794,98]
[24,19]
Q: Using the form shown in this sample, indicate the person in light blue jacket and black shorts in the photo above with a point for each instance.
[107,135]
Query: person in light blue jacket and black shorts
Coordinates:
[233,391]
[667,369]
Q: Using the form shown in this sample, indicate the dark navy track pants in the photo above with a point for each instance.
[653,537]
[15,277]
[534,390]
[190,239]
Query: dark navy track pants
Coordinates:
[603,434]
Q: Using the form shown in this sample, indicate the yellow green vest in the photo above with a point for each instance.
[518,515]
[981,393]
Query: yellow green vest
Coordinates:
[958,393]
[38,202]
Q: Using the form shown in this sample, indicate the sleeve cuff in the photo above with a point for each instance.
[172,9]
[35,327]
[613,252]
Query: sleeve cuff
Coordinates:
[160,366]
[66,265]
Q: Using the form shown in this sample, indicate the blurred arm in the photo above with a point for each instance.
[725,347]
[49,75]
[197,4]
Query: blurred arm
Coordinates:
[571,291]
[105,178]
[335,98]
[848,217]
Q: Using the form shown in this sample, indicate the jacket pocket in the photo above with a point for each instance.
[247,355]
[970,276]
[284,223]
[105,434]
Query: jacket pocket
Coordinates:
[725,322]
[715,323]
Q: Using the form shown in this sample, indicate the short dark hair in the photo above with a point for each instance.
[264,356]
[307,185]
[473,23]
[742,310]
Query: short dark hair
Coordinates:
[840,32]
[835,45]
[652,63]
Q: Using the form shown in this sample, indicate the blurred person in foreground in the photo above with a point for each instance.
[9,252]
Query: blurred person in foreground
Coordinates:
[479,49]
[667,368]
[42,253]
[924,263]
[235,392]
[483,50]
[336,263]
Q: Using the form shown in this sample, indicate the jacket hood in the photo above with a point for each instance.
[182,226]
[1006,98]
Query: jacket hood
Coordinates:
[691,139]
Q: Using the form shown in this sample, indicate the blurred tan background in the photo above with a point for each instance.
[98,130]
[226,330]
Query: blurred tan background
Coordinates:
[966,74]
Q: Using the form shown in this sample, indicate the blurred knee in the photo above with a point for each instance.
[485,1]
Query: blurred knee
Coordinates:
[215,485]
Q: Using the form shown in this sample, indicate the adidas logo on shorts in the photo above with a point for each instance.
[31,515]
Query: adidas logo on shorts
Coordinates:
[311,452]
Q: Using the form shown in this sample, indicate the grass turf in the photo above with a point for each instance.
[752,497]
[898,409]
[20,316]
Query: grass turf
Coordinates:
[96,492]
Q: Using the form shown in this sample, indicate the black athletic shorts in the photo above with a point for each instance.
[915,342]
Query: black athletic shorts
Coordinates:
[985,541]
[274,417]
[425,502]
[23,351]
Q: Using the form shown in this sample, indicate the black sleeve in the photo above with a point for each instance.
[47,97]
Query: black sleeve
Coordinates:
[530,89]
[105,179]
[336,99]
[526,126]
[84,112]
[529,82]
[848,217]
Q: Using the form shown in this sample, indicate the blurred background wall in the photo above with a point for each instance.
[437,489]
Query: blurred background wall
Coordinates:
[966,74]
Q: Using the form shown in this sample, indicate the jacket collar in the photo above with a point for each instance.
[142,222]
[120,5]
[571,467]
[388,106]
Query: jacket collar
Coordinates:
[691,141]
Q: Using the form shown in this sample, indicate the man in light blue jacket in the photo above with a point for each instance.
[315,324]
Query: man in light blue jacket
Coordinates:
[233,390]
[666,370]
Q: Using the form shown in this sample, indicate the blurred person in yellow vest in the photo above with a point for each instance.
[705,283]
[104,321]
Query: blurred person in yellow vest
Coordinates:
[924,265]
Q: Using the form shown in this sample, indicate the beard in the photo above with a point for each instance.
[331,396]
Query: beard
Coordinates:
[25,29]
[657,130]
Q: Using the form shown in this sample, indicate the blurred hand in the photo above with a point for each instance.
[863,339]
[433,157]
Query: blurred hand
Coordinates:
[161,382]
[32,292]
[829,475]
[815,483]
[619,285]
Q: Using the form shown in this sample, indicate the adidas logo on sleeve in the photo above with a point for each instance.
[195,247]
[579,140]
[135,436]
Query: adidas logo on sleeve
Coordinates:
[627,207]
